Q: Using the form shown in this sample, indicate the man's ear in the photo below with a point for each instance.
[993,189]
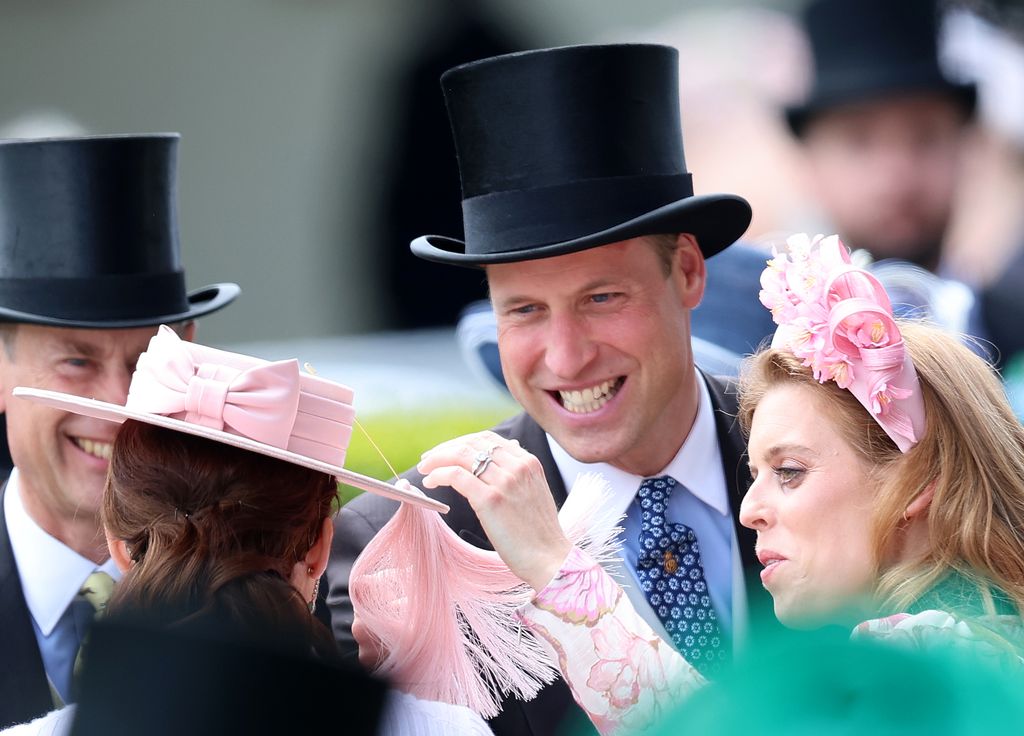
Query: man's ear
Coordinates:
[7,348]
[689,270]
[188,331]
[920,503]
[320,552]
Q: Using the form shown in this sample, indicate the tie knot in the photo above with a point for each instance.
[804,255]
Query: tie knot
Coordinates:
[97,589]
[653,501]
[656,489]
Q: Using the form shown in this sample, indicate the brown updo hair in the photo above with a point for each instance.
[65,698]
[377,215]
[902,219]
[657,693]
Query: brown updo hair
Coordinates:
[214,532]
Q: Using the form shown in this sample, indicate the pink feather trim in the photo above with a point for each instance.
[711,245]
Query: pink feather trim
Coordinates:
[444,610]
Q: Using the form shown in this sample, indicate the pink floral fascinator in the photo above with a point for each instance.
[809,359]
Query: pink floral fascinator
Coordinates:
[269,408]
[838,319]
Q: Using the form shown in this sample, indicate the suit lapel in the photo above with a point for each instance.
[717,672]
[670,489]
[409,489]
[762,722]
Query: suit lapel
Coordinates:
[734,461]
[24,692]
[737,477]
[535,441]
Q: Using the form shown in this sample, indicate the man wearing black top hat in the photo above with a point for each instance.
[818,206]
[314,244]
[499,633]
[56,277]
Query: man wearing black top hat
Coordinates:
[579,209]
[883,127]
[89,267]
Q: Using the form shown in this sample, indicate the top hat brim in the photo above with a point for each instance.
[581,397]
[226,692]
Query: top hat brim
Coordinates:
[715,220]
[118,414]
[203,301]
[964,94]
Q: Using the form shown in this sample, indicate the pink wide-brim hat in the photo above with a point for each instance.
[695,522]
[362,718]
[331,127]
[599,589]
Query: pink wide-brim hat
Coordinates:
[270,408]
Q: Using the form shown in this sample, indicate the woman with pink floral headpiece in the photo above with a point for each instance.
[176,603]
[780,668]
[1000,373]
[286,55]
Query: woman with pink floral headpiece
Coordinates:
[887,496]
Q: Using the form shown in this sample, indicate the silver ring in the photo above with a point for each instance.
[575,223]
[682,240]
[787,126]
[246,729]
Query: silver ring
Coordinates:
[482,461]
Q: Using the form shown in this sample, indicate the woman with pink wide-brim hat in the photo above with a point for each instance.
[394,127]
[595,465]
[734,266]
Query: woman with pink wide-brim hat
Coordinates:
[218,505]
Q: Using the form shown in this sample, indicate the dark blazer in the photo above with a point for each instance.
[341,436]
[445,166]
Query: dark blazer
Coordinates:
[365,515]
[24,690]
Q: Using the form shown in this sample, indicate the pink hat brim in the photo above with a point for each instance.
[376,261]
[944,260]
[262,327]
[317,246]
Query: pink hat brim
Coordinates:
[118,414]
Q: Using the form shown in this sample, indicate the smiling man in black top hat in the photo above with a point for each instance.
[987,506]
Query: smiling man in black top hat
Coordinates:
[89,267]
[579,208]
[883,128]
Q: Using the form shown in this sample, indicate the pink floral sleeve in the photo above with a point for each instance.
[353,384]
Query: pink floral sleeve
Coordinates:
[621,673]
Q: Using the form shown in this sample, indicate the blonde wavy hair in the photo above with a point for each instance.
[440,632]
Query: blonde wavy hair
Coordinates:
[972,452]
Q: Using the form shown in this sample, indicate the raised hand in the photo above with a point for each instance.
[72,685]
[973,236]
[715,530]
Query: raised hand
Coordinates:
[506,487]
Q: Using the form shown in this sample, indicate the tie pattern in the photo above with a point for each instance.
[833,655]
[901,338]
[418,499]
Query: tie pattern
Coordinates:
[672,578]
[92,601]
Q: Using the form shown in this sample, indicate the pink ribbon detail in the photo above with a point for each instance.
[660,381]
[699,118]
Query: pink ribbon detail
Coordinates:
[258,402]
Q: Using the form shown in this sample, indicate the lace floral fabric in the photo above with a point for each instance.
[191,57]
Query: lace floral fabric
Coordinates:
[998,640]
[621,673]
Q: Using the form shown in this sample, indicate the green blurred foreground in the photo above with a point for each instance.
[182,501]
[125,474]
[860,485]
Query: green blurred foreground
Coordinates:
[820,683]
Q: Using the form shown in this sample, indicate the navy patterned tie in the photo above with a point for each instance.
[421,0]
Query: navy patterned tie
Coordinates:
[672,577]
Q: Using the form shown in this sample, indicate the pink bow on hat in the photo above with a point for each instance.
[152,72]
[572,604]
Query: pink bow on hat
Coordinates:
[838,319]
[258,402]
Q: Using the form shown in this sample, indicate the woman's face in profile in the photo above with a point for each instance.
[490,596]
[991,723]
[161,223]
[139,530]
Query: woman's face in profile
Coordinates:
[810,504]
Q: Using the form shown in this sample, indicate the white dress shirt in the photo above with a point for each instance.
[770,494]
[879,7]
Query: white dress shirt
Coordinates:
[703,506]
[51,575]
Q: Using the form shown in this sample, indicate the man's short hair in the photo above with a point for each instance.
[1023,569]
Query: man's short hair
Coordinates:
[665,245]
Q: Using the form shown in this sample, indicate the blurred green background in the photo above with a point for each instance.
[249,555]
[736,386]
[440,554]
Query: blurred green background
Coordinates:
[403,437]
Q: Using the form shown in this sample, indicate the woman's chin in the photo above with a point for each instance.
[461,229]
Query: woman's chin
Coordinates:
[804,616]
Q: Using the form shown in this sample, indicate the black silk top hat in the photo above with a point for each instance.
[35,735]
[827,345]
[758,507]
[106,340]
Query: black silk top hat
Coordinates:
[89,234]
[868,50]
[571,148]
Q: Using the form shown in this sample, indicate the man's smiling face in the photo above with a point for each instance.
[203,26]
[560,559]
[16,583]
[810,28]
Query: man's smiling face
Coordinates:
[595,346]
[62,458]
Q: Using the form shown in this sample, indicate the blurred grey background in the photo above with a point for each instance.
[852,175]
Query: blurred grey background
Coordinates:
[314,142]
[289,112]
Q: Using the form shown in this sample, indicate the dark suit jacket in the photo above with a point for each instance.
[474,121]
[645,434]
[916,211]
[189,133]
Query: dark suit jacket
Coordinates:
[24,691]
[365,515]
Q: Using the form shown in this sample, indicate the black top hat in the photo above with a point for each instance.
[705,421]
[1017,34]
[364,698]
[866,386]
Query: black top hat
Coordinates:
[571,148]
[89,235]
[872,49]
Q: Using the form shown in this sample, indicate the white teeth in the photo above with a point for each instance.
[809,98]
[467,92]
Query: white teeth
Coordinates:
[97,449]
[589,399]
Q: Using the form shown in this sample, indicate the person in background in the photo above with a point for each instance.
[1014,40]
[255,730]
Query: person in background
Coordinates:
[90,264]
[883,135]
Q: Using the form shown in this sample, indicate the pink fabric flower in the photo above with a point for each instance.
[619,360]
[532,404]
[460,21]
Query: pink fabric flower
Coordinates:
[837,319]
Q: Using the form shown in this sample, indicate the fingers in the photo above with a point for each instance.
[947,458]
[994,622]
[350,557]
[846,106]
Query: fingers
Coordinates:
[463,450]
[476,453]
[506,487]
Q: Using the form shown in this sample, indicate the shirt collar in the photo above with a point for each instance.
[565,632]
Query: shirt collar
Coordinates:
[697,464]
[51,573]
